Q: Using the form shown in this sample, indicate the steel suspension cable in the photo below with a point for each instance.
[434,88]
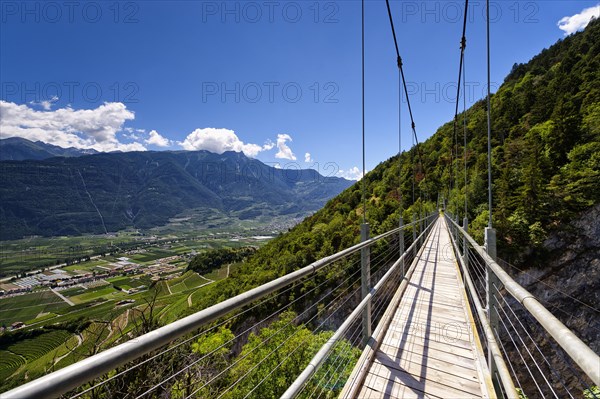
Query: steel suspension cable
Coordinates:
[400,67]
[463,44]
[364,187]
[489,117]
[465,132]
[399,142]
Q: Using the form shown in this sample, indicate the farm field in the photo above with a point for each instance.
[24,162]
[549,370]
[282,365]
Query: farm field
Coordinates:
[9,363]
[221,273]
[89,265]
[189,280]
[14,356]
[51,338]
[29,254]
[31,349]
[127,283]
[59,348]
[104,292]
[73,291]
[28,306]
[151,255]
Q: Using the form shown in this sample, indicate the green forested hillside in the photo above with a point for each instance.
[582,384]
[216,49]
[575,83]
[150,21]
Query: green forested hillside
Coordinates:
[546,169]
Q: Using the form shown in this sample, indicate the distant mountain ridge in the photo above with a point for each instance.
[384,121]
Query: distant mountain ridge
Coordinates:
[108,192]
[19,149]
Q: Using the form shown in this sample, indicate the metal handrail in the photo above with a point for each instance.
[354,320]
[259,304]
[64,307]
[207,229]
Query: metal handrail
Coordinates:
[77,374]
[586,358]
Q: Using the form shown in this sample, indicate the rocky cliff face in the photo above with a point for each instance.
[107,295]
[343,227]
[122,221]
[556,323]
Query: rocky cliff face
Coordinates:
[568,285]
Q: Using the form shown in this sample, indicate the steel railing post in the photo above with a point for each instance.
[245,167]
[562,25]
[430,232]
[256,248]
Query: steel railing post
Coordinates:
[401,244]
[490,242]
[456,220]
[414,231]
[465,248]
[492,285]
[365,262]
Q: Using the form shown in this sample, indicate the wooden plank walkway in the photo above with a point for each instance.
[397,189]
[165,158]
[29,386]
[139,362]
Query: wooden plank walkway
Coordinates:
[431,348]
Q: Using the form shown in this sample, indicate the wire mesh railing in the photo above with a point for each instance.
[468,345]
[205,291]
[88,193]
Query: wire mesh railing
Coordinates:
[524,341]
[255,343]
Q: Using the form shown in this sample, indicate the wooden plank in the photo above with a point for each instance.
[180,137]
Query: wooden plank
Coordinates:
[435,353]
[399,340]
[448,322]
[433,275]
[381,388]
[395,381]
[419,335]
[428,280]
[402,342]
[433,314]
[467,380]
[368,393]
[436,301]
[450,292]
[401,392]
[432,288]
[435,271]
[420,307]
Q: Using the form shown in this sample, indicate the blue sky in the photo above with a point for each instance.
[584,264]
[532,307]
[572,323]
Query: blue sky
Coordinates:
[276,80]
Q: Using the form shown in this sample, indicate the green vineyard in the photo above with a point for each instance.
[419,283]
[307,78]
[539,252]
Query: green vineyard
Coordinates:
[32,349]
[9,363]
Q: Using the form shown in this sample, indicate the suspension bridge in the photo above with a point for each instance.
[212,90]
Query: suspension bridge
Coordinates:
[438,318]
[420,311]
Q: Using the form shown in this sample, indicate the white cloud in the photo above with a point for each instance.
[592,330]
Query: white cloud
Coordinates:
[46,104]
[131,136]
[284,152]
[351,174]
[158,140]
[219,141]
[268,145]
[579,21]
[65,127]
[307,158]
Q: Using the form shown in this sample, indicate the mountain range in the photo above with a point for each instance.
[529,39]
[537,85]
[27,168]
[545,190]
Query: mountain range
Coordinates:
[19,149]
[107,192]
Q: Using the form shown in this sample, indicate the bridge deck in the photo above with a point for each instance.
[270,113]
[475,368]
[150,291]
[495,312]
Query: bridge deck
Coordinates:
[431,349]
